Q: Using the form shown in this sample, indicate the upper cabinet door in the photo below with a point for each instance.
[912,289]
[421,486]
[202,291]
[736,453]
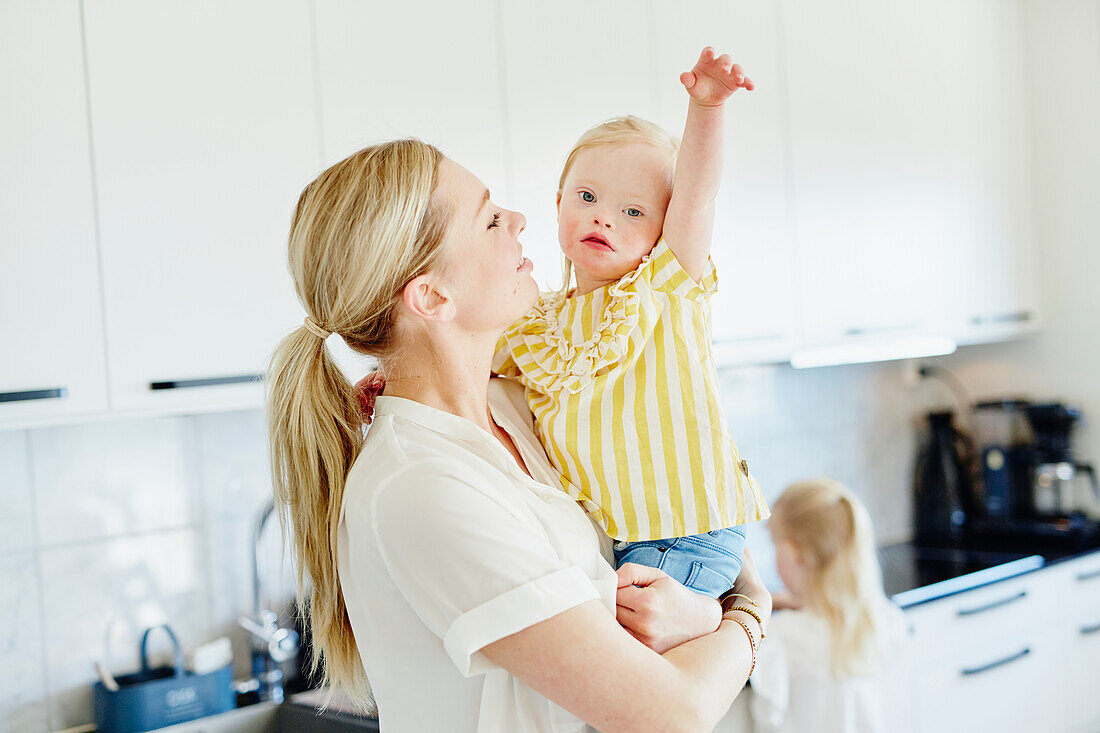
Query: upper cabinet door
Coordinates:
[204,133]
[566,71]
[993,283]
[873,180]
[53,362]
[753,310]
[445,89]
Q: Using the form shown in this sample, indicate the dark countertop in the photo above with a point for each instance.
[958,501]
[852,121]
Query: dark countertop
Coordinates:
[918,573]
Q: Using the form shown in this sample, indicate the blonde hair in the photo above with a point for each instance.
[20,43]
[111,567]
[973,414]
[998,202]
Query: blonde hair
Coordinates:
[614,133]
[832,532]
[360,232]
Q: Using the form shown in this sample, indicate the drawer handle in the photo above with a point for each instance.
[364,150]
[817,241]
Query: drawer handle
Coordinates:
[995,604]
[1089,575]
[1086,630]
[1013,317]
[986,667]
[207,382]
[874,330]
[34,394]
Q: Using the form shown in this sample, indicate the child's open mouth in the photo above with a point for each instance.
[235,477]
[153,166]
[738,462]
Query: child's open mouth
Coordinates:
[597,242]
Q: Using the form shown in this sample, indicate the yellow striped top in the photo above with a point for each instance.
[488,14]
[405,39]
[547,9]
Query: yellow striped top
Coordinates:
[624,391]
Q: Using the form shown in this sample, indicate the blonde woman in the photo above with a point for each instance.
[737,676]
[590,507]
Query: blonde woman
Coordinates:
[824,662]
[446,564]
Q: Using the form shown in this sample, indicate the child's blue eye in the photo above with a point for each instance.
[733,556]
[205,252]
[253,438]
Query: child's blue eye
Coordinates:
[633,212]
[496,220]
[587,197]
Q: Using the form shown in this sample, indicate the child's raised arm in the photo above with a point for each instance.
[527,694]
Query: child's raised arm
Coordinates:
[689,220]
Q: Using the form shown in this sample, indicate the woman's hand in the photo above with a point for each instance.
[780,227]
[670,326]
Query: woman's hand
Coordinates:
[660,612]
[713,80]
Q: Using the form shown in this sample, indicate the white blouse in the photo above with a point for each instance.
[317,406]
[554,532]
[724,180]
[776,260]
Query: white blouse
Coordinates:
[445,545]
[793,689]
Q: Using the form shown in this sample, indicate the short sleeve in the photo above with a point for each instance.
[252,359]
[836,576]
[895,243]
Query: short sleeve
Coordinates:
[668,276]
[473,569]
[770,684]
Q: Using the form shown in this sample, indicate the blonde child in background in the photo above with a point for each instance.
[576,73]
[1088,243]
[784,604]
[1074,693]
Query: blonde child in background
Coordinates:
[618,370]
[824,664]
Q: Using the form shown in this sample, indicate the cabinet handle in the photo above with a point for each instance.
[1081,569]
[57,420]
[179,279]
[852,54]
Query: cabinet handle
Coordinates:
[1086,630]
[986,667]
[995,604]
[55,393]
[207,382]
[870,330]
[1012,317]
[1088,575]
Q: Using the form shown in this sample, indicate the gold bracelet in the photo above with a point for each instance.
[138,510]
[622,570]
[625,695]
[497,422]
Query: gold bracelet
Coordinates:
[752,641]
[722,598]
[755,615]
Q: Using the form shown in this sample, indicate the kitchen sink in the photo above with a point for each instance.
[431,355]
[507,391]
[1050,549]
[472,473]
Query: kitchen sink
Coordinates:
[288,717]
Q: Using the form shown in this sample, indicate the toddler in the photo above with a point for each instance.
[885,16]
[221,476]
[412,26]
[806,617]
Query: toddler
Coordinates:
[618,370]
[825,664]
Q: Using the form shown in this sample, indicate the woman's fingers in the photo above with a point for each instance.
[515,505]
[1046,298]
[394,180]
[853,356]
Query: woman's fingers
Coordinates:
[633,574]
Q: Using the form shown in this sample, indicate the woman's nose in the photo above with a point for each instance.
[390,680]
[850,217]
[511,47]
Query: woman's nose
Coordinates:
[519,222]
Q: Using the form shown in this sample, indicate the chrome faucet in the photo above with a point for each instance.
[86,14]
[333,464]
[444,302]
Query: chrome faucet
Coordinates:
[271,645]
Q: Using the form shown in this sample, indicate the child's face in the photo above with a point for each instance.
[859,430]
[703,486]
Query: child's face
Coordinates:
[789,563]
[611,210]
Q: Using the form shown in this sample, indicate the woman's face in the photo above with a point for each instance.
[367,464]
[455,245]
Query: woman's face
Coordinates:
[485,273]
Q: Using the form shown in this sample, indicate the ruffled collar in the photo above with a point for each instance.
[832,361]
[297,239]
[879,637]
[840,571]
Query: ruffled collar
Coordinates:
[555,355]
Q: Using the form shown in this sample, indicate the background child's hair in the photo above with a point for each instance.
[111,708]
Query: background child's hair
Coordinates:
[832,532]
[614,133]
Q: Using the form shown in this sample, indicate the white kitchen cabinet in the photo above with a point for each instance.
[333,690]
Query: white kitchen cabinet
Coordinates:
[1081,640]
[992,67]
[753,311]
[445,89]
[204,132]
[565,71]
[49,282]
[909,153]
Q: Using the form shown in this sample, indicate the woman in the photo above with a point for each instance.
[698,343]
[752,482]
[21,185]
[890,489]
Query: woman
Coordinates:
[446,563]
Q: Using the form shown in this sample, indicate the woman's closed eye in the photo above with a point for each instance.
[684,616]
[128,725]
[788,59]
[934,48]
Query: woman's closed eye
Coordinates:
[496,220]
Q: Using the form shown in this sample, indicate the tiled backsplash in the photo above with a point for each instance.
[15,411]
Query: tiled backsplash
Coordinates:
[111,527]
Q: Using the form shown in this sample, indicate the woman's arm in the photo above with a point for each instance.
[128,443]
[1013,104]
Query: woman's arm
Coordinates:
[584,661]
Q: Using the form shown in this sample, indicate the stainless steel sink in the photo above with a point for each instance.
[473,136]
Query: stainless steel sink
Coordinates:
[288,717]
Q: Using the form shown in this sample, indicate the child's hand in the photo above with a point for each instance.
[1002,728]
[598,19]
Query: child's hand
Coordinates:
[714,80]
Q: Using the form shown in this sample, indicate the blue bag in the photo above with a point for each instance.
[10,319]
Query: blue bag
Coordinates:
[155,698]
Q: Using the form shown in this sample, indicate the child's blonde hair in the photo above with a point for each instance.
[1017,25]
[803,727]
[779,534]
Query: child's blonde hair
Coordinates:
[614,133]
[830,528]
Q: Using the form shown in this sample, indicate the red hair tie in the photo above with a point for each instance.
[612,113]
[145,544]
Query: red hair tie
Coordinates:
[367,390]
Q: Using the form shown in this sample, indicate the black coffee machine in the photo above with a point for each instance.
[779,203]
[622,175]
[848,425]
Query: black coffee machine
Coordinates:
[1059,486]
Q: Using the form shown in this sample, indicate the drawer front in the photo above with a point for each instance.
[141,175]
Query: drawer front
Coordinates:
[959,627]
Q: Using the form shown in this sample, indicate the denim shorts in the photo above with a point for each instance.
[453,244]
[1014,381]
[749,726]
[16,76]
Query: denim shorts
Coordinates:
[706,563]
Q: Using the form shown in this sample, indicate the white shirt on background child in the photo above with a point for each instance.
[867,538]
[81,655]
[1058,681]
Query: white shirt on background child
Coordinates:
[794,690]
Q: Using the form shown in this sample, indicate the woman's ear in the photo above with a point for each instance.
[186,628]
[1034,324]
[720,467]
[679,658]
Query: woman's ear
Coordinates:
[557,202]
[423,297]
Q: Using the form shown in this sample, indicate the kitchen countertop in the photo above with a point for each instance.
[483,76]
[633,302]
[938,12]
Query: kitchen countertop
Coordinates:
[918,573]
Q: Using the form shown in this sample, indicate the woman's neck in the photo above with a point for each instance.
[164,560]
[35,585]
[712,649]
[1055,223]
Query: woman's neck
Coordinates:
[447,376]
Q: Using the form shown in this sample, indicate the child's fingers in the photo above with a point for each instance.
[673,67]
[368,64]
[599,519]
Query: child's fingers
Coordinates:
[737,73]
[725,62]
[707,54]
[687,79]
[748,84]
